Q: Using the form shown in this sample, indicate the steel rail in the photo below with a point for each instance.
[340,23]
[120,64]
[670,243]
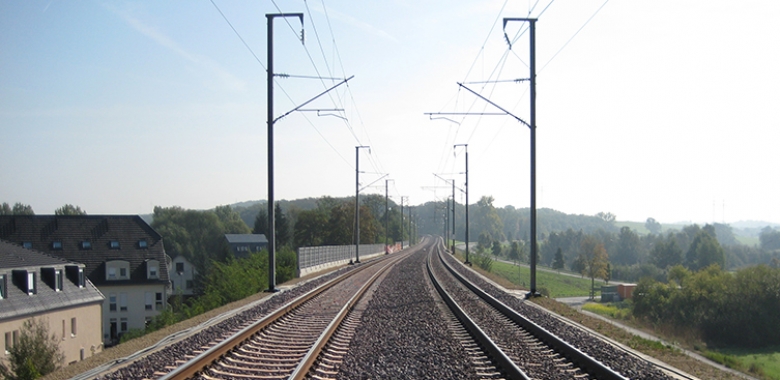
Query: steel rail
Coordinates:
[583,360]
[304,367]
[505,364]
[198,363]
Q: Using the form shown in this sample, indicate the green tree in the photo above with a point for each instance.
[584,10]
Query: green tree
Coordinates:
[22,209]
[197,235]
[231,220]
[559,262]
[606,216]
[578,265]
[5,209]
[516,252]
[628,247]
[666,253]
[282,232]
[679,275]
[769,239]
[486,220]
[705,251]
[595,259]
[69,209]
[653,226]
[310,229]
[35,354]
[484,240]
[496,248]
[261,222]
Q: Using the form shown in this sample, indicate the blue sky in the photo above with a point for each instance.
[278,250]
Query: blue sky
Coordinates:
[659,109]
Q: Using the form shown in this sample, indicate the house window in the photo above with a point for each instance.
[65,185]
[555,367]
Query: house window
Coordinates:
[81,277]
[58,280]
[112,302]
[16,338]
[179,268]
[31,283]
[123,325]
[73,327]
[27,244]
[123,272]
[112,273]
[149,298]
[8,343]
[56,245]
[159,301]
[2,287]
[122,301]
[86,244]
[142,244]
[114,244]
[153,272]
[63,329]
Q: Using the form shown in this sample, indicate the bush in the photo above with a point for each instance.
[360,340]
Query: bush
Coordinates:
[483,260]
[35,354]
[741,309]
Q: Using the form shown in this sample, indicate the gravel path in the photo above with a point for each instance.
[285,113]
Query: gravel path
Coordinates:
[404,334]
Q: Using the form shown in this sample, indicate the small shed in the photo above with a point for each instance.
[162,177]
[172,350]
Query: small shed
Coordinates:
[626,291]
[242,244]
[609,293]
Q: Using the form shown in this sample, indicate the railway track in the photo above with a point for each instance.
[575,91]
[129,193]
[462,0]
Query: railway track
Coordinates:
[520,348]
[286,343]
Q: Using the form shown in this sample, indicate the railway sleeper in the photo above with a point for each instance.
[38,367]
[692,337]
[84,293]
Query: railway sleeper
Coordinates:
[264,362]
[224,374]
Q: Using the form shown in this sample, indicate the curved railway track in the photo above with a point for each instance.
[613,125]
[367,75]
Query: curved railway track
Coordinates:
[519,347]
[286,343]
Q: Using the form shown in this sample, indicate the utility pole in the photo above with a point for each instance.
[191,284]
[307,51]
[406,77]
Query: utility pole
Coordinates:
[357,203]
[410,222]
[270,109]
[453,216]
[387,214]
[453,234]
[402,222]
[532,68]
[466,146]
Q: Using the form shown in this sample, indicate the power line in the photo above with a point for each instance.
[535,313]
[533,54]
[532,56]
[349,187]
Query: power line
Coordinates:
[575,34]
[239,35]
[275,81]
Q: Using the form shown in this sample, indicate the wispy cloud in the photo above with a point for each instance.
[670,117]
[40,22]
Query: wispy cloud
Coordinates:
[366,27]
[225,78]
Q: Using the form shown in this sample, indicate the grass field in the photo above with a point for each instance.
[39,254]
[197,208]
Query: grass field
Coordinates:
[558,285]
[764,363]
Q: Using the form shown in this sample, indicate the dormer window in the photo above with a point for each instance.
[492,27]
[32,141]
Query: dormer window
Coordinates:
[86,244]
[152,269]
[27,244]
[31,283]
[75,274]
[114,244]
[143,244]
[58,280]
[117,270]
[56,245]
[2,287]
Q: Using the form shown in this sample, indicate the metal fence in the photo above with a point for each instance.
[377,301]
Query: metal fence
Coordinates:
[312,259]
